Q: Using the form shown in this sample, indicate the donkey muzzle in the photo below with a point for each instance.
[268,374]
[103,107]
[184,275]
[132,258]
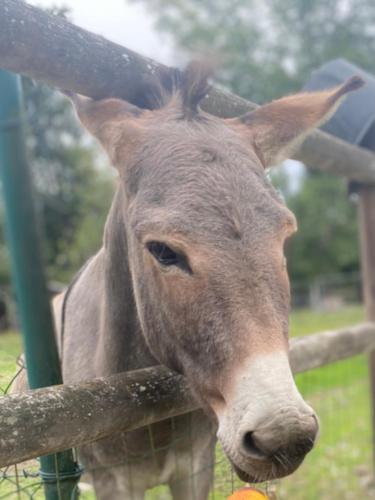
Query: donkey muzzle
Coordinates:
[285,440]
[266,428]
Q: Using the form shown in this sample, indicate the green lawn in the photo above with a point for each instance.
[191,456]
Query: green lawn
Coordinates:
[341,462]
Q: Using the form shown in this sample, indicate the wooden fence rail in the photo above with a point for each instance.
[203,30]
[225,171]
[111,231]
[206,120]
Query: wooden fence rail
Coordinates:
[50,49]
[56,418]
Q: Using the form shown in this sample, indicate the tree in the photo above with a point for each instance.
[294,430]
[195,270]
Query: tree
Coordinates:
[71,192]
[70,189]
[267,49]
[327,240]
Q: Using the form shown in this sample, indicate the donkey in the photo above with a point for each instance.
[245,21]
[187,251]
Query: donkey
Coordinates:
[192,275]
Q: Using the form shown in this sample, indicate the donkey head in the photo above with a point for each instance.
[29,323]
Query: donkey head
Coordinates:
[205,233]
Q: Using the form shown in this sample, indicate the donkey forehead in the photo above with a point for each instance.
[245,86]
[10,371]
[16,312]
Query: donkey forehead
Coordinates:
[196,186]
[172,139]
[186,216]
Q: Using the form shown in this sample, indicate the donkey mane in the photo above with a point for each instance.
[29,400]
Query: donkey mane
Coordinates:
[189,86]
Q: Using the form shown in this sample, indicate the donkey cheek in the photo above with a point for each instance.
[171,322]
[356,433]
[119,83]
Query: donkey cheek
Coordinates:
[174,288]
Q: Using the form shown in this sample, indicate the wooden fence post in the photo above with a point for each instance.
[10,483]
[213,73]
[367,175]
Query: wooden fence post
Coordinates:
[366,215]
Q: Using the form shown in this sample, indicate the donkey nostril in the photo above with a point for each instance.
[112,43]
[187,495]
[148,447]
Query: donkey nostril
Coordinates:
[250,446]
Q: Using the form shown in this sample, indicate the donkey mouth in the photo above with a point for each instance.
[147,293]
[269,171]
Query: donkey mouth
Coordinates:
[245,477]
[266,473]
[259,477]
[263,469]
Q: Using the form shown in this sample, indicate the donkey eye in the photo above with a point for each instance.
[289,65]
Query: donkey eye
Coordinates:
[166,256]
[162,253]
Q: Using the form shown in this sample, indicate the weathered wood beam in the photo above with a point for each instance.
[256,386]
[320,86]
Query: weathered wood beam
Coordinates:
[366,219]
[43,421]
[50,49]
[55,418]
[320,349]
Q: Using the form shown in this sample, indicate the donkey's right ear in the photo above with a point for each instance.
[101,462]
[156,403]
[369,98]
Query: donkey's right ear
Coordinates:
[114,122]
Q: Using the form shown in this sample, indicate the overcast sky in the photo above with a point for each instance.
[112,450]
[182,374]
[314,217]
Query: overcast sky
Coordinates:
[119,21]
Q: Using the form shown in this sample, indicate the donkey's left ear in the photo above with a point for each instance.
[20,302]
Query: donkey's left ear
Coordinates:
[276,128]
[114,122]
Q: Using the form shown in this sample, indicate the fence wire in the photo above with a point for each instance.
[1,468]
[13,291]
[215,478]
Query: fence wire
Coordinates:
[339,468]
[19,481]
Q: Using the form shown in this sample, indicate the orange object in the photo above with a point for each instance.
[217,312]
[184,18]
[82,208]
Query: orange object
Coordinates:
[248,493]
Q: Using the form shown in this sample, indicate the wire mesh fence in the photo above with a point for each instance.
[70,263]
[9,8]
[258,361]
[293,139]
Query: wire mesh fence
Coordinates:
[19,481]
[340,467]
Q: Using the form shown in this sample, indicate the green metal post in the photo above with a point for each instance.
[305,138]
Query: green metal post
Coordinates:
[60,472]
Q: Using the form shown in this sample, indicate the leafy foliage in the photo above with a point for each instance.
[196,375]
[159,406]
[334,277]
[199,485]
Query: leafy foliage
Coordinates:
[72,192]
[327,239]
[267,49]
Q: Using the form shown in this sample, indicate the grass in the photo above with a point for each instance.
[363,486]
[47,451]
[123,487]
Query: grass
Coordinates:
[341,462]
[304,322]
[10,348]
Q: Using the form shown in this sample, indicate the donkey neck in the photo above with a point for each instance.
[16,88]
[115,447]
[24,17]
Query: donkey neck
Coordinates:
[122,343]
